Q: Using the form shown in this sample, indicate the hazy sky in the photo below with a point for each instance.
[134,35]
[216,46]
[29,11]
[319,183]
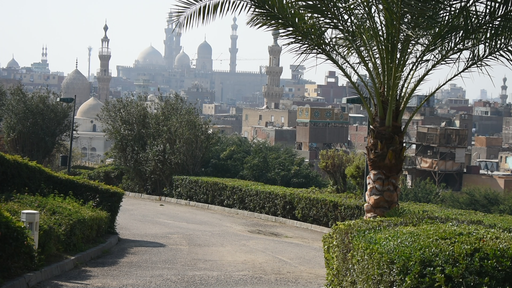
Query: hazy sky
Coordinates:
[67,28]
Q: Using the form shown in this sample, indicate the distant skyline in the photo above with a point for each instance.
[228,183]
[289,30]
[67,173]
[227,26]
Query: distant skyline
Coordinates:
[68,28]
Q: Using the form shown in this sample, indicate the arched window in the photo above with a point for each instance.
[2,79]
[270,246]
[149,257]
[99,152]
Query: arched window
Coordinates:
[84,153]
[93,154]
[93,127]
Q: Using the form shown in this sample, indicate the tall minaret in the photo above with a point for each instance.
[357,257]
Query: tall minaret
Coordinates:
[503,95]
[169,53]
[272,92]
[103,74]
[233,50]
[89,64]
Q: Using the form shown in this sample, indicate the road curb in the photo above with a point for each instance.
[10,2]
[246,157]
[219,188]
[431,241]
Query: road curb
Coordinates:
[31,279]
[231,211]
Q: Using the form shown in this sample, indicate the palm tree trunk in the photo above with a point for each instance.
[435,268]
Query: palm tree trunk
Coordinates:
[385,152]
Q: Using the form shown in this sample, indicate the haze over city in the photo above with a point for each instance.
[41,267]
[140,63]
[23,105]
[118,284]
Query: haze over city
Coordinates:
[67,29]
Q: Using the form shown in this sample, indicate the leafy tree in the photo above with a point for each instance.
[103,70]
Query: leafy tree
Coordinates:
[355,170]
[156,141]
[35,124]
[228,156]
[386,49]
[279,165]
[236,157]
[334,163]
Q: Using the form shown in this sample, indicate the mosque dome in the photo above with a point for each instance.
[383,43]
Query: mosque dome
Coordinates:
[90,109]
[13,64]
[76,84]
[150,56]
[182,61]
[204,50]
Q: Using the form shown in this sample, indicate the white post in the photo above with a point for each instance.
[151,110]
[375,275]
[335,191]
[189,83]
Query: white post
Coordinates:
[31,220]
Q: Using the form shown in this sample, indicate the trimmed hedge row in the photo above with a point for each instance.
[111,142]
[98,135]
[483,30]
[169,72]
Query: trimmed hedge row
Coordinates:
[421,246]
[18,175]
[306,205]
[17,254]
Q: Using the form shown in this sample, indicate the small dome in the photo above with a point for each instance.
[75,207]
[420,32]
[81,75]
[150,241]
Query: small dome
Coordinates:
[150,56]
[204,50]
[182,61]
[76,84]
[13,64]
[90,109]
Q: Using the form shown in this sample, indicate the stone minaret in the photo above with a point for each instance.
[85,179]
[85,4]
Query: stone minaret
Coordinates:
[103,74]
[89,64]
[273,92]
[233,50]
[171,43]
[503,95]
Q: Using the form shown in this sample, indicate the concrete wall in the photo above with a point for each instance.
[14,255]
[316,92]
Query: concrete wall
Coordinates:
[498,183]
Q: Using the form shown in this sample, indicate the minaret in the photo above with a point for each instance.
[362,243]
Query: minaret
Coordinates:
[233,50]
[89,64]
[272,92]
[103,74]
[503,95]
[169,53]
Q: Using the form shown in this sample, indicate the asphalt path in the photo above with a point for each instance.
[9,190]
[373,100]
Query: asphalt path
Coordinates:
[170,245]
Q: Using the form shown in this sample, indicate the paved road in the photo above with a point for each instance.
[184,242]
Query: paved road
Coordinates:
[171,245]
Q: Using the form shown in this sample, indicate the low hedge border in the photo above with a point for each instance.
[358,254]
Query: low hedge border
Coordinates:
[305,205]
[422,245]
[22,176]
[66,227]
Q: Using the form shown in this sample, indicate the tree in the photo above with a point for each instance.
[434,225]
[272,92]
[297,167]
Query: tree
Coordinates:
[355,170]
[236,157]
[35,124]
[386,49]
[334,163]
[156,140]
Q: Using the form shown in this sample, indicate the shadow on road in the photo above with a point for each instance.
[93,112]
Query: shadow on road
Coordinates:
[79,276]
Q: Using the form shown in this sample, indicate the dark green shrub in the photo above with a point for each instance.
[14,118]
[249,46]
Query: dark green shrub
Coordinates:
[306,205]
[17,254]
[111,175]
[66,226]
[422,246]
[479,199]
[18,174]
[421,191]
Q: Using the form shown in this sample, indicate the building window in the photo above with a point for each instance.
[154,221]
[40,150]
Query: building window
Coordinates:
[246,134]
[246,117]
[93,127]
[282,119]
[272,118]
[84,152]
[260,117]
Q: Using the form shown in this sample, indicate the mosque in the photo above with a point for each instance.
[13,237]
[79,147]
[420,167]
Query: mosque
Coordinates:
[174,71]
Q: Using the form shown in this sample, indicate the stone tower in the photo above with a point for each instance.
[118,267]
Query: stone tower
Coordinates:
[503,95]
[273,92]
[233,50]
[103,74]
[171,43]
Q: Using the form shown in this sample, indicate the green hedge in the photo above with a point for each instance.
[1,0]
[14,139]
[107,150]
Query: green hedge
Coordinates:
[22,176]
[306,205]
[421,246]
[17,255]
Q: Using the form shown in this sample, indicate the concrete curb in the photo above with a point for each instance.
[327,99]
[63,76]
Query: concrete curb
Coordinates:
[231,211]
[31,279]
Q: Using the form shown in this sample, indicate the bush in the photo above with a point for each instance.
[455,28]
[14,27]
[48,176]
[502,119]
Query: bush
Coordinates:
[306,205]
[111,175]
[422,246]
[479,199]
[17,254]
[66,226]
[421,191]
[28,177]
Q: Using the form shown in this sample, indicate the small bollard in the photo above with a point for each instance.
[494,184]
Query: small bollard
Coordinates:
[31,220]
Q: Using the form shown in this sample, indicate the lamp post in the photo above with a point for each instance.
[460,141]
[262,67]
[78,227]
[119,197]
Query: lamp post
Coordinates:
[70,100]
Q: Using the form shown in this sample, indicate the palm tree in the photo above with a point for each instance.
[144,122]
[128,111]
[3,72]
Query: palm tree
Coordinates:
[386,49]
